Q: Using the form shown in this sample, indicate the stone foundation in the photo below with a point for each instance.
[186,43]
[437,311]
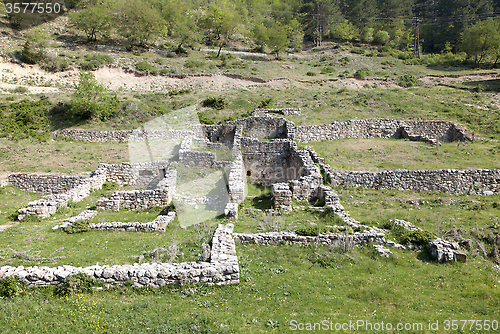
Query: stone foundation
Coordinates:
[222,269]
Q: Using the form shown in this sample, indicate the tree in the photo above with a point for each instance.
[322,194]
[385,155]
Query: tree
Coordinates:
[91,99]
[319,18]
[220,22]
[481,40]
[345,30]
[278,38]
[261,36]
[94,21]
[138,22]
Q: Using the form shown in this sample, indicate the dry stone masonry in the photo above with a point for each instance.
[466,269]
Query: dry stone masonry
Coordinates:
[222,269]
[470,181]
[429,131]
[159,224]
[46,184]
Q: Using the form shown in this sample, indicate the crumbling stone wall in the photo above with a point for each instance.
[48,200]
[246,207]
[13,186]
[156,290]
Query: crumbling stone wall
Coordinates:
[46,184]
[159,224]
[145,175]
[470,181]
[119,136]
[191,158]
[48,205]
[291,238]
[135,200]
[384,128]
[222,269]
[236,177]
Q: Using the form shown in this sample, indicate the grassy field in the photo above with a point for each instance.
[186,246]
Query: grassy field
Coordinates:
[389,154]
[279,285]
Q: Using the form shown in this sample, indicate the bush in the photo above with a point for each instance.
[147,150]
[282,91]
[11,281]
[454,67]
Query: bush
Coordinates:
[10,286]
[30,55]
[407,81]
[79,283]
[77,227]
[94,60]
[307,230]
[266,103]
[405,237]
[311,74]
[327,70]
[381,37]
[91,99]
[217,103]
[26,119]
[144,66]
[55,64]
[361,74]
[358,51]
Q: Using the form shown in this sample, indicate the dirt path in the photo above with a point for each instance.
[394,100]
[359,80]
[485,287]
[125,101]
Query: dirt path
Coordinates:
[8,225]
[36,80]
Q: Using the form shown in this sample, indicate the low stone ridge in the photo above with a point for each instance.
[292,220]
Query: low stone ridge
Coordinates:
[223,270]
[275,238]
[86,215]
[444,251]
[407,225]
[46,184]
[451,181]
[159,224]
[118,136]
[382,251]
[384,128]
[282,111]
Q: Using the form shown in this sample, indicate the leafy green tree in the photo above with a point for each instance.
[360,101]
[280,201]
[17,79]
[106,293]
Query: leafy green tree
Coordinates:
[381,37]
[481,40]
[220,22]
[91,99]
[345,30]
[319,17]
[278,38]
[94,21]
[261,36]
[138,22]
[295,34]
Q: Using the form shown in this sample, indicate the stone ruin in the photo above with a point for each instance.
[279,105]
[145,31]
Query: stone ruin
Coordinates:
[264,151]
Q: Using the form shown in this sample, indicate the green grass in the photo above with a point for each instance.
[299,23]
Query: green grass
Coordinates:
[58,156]
[277,284]
[389,154]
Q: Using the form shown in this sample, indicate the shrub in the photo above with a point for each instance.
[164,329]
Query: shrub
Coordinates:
[10,286]
[31,55]
[407,81]
[310,230]
[94,60]
[361,73]
[144,66]
[79,283]
[406,237]
[217,103]
[26,119]
[77,227]
[381,37]
[327,70]
[191,63]
[311,74]
[359,51]
[266,103]
[344,74]
[54,64]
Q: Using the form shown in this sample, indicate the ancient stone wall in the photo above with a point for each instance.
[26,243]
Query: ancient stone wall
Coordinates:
[222,269]
[470,181]
[159,224]
[46,184]
[145,175]
[119,136]
[384,128]
[335,239]
[236,177]
[48,205]
[135,200]
[193,158]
